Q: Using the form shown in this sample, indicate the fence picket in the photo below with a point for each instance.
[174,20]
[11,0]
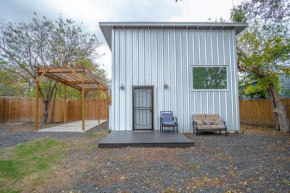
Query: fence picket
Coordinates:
[259,112]
[16,109]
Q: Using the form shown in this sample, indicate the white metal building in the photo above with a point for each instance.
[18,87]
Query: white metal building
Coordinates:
[187,68]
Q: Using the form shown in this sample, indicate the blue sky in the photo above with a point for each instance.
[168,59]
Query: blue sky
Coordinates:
[90,12]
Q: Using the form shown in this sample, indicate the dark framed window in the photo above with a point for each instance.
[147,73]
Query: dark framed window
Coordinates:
[209,78]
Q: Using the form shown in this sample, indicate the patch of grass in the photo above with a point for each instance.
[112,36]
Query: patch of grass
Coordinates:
[28,161]
[9,191]
[94,134]
[93,147]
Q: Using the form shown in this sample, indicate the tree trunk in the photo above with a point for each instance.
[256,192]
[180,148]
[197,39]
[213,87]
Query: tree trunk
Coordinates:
[53,106]
[282,121]
[46,104]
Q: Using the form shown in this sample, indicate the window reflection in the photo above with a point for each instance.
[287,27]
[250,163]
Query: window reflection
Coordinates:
[209,77]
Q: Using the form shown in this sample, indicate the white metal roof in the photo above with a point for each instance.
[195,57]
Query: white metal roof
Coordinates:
[107,27]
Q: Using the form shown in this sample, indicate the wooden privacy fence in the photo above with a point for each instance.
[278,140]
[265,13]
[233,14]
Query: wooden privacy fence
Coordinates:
[22,110]
[255,112]
[260,112]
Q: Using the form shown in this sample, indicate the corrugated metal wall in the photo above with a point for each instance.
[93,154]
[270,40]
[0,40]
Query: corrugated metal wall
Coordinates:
[166,56]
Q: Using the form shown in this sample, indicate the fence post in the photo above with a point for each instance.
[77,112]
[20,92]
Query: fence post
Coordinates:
[83,105]
[2,113]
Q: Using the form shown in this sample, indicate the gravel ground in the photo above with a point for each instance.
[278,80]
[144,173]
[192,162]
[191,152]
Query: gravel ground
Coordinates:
[257,161]
[13,134]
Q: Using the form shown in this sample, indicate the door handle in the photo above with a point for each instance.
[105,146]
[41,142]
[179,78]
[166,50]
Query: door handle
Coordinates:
[150,108]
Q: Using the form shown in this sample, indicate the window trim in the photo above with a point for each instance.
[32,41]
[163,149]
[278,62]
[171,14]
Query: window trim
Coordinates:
[199,90]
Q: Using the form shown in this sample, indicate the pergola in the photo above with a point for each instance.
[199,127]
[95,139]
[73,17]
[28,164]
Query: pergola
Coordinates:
[77,77]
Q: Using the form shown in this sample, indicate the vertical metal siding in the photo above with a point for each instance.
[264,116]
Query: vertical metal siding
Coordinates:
[235,81]
[159,84]
[129,80]
[178,68]
[148,64]
[166,56]
[166,74]
[153,35]
[116,96]
[122,78]
[112,117]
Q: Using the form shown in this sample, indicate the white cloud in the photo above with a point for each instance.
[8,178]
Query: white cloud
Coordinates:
[201,10]
[90,12]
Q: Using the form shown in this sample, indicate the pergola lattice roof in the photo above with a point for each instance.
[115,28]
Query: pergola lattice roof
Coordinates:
[72,76]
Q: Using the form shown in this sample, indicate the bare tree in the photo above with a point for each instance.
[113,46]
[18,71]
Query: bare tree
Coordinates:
[25,45]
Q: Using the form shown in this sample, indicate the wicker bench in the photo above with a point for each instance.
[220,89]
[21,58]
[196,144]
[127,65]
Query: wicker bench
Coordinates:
[208,122]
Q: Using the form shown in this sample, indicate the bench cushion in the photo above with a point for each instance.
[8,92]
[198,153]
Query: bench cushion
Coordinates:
[204,127]
[218,127]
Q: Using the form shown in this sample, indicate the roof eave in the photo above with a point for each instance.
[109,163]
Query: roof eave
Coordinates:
[106,27]
[108,35]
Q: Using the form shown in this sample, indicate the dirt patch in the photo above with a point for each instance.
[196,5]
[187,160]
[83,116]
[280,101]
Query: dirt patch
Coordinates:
[252,129]
[21,127]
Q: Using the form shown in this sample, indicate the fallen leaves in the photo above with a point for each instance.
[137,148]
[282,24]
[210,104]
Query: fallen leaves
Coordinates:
[257,161]
[194,167]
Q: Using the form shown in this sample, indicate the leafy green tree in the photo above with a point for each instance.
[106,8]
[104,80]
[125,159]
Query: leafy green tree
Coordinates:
[263,49]
[252,91]
[40,41]
[11,84]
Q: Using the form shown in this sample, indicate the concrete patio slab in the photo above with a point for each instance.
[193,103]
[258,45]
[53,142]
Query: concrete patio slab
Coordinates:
[75,127]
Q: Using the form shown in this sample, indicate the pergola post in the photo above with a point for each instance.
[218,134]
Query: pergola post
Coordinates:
[99,103]
[83,105]
[80,115]
[36,101]
[65,105]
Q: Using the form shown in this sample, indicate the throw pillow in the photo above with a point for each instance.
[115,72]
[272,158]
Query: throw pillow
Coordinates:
[199,122]
[207,121]
[218,121]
